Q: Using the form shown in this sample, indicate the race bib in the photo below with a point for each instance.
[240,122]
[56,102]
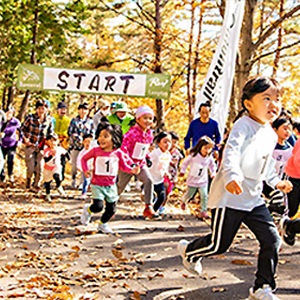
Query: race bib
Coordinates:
[196,170]
[107,166]
[140,150]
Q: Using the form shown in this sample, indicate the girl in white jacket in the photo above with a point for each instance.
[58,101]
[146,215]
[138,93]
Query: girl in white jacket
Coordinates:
[200,161]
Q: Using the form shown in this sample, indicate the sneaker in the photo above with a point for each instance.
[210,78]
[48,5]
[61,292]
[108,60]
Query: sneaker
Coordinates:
[138,186]
[104,228]
[149,212]
[204,215]
[48,198]
[11,178]
[194,268]
[127,188]
[162,211]
[85,216]
[83,196]
[264,293]
[61,191]
[287,237]
[73,184]
[80,187]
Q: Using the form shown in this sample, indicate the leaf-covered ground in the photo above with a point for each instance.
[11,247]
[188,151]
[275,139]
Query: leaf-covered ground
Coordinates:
[45,253]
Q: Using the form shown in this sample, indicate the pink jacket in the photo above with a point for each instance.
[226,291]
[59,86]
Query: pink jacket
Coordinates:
[136,144]
[292,167]
[106,165]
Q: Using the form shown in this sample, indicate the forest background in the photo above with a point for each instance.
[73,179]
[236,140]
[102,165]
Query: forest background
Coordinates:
[153,36]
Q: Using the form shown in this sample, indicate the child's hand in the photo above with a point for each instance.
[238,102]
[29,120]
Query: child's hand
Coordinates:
[183,205]
[136,170]
[87,174]
[234,187]
[284,186]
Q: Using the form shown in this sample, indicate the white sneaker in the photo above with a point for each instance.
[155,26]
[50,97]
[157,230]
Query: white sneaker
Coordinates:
[194,268]
[138,185]
[85,216]
[264,293]
[83,196]
[11,179]
[61,191]
[48,198]
[127,188]
[105,228]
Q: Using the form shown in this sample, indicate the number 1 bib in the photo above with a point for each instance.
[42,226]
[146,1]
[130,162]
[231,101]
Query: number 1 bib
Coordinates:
[107,166]
[140,150]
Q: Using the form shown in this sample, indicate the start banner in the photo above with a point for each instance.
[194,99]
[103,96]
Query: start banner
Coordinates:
[33,77]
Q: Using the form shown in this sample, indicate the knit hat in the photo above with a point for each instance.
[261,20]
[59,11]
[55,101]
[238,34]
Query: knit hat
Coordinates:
[103,103]
[62,105]
[83,105]
[120,106]
[145,109]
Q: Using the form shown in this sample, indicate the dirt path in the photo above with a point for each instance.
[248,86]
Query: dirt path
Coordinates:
[45,253]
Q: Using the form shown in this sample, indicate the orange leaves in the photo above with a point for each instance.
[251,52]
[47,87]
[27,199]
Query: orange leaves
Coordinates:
[241,262]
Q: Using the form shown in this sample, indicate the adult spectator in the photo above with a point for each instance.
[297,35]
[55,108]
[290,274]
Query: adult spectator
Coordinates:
[203,126]
[34,130]
[62,122]
[79,126]
[61,125]
[103,111]
[10,141]
[2,120]
[120,116]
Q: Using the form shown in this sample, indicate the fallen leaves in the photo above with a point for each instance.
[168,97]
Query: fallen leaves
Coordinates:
[241,262]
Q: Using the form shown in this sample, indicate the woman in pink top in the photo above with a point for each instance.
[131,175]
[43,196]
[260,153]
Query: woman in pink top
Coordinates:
[108,159]
[136,144]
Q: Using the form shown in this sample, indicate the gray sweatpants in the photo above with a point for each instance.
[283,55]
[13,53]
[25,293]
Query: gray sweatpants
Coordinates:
[144,176]
[34,163]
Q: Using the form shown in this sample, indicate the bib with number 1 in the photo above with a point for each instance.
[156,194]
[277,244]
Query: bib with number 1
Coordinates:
[140,150]
[107,166]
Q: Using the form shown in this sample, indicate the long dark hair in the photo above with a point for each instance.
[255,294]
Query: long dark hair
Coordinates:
[255,86]
[204,140]
[114,130]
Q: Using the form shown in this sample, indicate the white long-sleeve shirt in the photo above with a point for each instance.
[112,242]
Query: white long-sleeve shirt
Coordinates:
[160,165]
[247,159]
[198,173]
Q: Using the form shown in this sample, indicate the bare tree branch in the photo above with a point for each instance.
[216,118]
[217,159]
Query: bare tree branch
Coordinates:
[272,52]
[274,26]
[147,15]
[127,17]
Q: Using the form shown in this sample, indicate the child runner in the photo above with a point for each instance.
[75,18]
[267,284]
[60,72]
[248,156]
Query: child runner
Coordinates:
[281,154]
[235,193]
[174,164]
[86,142]
[160,158]
[200,161]
[136,143]
[107,161]
[52,166]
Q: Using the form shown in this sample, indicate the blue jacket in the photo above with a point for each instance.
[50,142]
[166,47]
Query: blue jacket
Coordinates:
[198,129]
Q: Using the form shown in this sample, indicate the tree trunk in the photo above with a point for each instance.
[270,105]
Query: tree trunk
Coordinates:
[247,47]
[188,82]
[196,61]
[279,42]
[26,98]
[160,113]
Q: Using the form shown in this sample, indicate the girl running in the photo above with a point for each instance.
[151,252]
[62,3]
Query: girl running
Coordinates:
[200,161]
[235,193]
[107,159]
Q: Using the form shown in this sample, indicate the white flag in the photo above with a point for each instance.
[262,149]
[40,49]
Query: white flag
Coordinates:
[218,82]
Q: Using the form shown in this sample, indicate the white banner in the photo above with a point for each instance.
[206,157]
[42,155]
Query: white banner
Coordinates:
[218,82]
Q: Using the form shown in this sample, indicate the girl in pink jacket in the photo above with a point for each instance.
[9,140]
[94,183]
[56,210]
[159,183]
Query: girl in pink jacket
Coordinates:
[136,144]
[107,160]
